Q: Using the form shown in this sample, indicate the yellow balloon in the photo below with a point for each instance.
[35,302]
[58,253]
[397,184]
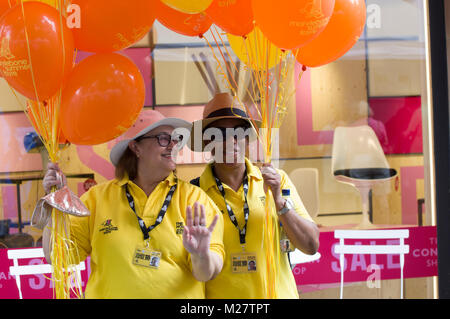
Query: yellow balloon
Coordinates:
[53,3]
[255,50]
[190,6]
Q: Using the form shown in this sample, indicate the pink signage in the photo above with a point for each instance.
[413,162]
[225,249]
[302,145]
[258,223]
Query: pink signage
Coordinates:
[306,135]
[32,286]
[397,121]
[421,261]
[13,128]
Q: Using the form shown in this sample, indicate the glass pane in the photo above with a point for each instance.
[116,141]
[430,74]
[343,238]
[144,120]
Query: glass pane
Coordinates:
[369,106]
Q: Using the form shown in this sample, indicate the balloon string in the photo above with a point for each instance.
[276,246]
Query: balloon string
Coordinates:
[219,65]
[29,51]
[236,69]
[45,117]
[279,67]
[56,128]
[269,90]
[64,254]
[224,74]
[225,61]
[255,63]
[229,58]
[255,79]
[231,73]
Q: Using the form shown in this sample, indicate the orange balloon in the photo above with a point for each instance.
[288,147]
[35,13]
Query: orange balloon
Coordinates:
[5,5]
[49,62]
[101,99]
[292,23]
[339,36]
[111,25]
[187,24]
[234,17]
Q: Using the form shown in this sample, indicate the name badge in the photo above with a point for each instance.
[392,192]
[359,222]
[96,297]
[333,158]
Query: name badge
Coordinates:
[147,258]
[243,262]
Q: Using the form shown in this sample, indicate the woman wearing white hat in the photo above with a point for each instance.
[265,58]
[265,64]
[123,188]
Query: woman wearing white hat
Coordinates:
[238,188]
[141,236]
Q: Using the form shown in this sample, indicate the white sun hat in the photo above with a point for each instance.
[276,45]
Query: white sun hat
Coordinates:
[148,120]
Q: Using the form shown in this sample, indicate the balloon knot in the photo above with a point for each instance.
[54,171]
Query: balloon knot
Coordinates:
[304,68]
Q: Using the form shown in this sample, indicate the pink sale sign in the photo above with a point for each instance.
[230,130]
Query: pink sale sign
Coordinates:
[421,261]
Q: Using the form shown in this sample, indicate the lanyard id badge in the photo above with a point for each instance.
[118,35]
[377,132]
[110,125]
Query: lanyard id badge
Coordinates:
[245,186]
[243,263]
[147,258]
[144,256]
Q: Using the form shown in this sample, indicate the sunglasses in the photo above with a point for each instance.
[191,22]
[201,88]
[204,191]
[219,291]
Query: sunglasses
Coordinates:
[237,132]
[164,139]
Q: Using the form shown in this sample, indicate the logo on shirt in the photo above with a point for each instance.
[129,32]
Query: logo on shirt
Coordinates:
[107,227]
[263,199]
[179,228]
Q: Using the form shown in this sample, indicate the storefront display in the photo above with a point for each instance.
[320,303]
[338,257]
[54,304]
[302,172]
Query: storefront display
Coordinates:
[381,88]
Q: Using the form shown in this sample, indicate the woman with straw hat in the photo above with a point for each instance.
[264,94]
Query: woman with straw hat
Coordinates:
[238,188]
[147,234]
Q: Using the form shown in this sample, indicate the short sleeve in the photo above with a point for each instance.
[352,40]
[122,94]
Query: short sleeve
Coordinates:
[79,227]
[300,208]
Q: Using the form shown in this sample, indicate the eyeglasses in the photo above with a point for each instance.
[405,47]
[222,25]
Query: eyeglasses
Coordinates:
[238,132]
[164,139]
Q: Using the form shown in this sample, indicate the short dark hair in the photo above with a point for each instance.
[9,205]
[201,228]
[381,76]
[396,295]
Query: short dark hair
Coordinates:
[127,164]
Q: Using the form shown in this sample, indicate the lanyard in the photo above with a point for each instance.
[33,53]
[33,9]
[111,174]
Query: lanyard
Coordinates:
[243,231]
[161,214]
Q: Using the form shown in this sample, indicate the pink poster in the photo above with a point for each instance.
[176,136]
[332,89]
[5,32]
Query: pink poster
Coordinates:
[32,286]
[421,261]
[397,121]
[13,128]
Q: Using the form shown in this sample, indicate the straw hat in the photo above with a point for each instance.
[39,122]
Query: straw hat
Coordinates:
[148,120]
[222,106]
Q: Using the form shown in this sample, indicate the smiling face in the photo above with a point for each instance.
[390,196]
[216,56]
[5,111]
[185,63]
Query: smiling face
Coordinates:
[152,157]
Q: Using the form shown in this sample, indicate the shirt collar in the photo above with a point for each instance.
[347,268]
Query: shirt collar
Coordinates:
[208,180]
[170,180]
[124,180]
[253,170]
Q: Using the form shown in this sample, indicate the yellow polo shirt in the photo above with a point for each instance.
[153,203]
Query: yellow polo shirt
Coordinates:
[111,234]
[229,285]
